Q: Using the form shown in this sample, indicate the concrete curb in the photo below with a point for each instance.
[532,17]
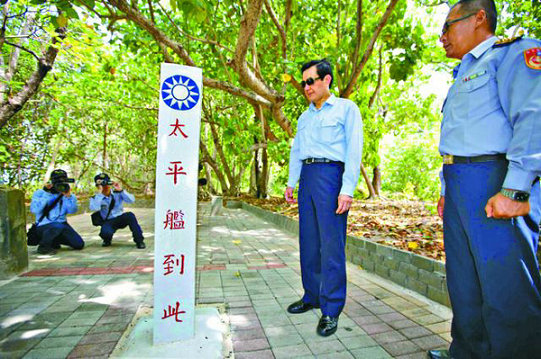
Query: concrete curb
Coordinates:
[421,274]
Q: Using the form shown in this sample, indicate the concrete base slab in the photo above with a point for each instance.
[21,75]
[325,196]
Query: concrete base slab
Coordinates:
[212,338]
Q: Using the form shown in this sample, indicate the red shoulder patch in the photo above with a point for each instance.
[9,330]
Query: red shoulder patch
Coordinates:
[532,57]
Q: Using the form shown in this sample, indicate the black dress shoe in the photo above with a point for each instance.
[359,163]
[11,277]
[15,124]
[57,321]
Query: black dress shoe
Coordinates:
[300,307]
[106,243]
[327,325]
[439,354]
[56,246]
[140,245]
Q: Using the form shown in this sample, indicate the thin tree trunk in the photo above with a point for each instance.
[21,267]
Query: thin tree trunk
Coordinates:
[371,192]
[104,154]
[376,180]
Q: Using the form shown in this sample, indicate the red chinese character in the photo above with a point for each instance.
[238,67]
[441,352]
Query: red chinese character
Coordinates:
[169,262]
[177,170]
[175,220]
[177,126]
[173,312]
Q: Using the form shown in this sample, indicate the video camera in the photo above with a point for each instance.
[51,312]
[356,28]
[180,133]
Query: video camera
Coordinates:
[103,179]
[60,181]
[104,182]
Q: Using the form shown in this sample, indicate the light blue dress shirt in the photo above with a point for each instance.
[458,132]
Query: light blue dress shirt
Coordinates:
[494,106]
[42,198]
[335,132]
[100,202]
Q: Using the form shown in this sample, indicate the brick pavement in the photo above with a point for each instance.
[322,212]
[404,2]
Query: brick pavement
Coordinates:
[78,303]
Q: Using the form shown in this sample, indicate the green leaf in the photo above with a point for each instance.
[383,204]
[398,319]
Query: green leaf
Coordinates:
[61,20]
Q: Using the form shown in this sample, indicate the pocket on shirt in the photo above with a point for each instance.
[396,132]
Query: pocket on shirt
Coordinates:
[329,130]
[480,94]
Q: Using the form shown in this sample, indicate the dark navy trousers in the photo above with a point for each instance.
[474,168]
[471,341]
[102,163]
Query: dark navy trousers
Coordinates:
[322,237]
[110,226]
[55,233]
[492,270]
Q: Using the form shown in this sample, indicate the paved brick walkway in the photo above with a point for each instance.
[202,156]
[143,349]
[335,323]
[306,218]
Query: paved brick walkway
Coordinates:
[78,303]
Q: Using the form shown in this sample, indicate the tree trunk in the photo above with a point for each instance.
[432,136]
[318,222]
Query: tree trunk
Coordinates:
[371,192]
[376,181]
[11,105]
[104,154]
[256,173]
[263,176]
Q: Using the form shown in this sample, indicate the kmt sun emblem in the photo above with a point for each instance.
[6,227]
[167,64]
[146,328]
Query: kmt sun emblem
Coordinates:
[180,92]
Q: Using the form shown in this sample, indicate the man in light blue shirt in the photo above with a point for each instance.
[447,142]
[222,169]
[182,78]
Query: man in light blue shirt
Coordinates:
[110,206]
[325,158]
[50,206]
[490,200]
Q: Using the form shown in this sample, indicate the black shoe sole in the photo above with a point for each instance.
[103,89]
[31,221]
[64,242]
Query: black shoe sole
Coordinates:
[326,334]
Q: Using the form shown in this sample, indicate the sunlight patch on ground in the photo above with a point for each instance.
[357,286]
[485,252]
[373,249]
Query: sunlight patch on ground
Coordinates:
[119,292]
[9,321]
[34,333]
[221,230]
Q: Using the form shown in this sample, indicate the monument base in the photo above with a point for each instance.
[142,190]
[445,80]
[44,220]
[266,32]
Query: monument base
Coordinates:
[212,338]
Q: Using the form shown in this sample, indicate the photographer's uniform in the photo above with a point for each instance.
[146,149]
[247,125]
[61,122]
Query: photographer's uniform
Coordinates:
[114,218]
[53,230]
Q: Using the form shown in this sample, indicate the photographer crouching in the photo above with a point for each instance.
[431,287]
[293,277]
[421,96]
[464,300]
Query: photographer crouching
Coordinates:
[109,211]
[51,205]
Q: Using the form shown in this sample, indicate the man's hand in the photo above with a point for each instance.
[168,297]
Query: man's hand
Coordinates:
[289,195]
[48,185]
[441,206]
[117,187]
[67,193]
[500,206]
[344,203]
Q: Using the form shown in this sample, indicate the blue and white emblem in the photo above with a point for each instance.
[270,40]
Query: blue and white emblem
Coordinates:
[180,92]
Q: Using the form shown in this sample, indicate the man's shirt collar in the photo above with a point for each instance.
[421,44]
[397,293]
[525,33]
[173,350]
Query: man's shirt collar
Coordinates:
[483,47]
[476,52]
[330,101]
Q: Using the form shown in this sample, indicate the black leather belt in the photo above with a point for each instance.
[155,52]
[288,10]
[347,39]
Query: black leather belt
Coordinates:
[309,161]
[450,159]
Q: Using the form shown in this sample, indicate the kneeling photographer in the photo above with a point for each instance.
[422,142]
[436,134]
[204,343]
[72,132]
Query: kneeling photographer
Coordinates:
[109,211]
[51,205]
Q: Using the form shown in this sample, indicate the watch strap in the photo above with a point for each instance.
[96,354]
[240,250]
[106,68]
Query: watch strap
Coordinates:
[515,195]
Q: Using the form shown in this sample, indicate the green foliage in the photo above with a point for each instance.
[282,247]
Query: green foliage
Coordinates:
[412,167]
[104,85]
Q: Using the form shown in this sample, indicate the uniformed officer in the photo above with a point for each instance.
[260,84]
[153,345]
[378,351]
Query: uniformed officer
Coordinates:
[56,200]
[491,146]
[326,156]
[109,203]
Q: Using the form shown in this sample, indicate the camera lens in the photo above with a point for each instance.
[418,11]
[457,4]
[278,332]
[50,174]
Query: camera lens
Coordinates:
[62,187]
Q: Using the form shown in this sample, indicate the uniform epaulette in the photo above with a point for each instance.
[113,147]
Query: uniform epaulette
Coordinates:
[507,41]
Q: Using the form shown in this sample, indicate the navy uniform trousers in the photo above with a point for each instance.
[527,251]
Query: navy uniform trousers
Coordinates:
[492,270]
[110,226]
[322,237]
[55,233]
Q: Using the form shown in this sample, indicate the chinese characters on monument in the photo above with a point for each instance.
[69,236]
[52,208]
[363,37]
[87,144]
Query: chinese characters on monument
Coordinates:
[179,122]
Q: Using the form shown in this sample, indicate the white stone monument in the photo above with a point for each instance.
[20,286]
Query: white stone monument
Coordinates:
[179,122]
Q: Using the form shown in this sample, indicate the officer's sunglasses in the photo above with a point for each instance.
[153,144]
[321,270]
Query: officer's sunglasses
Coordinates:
[448,23]
[309,81]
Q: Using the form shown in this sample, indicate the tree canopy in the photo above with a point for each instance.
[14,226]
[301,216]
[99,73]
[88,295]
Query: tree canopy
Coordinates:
[95,109]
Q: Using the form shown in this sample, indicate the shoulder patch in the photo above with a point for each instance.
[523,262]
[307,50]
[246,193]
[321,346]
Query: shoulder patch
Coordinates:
[532,57]
[507,41]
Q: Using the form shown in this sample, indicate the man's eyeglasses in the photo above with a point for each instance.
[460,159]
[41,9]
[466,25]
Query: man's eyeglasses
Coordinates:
[448,23]
[309,81]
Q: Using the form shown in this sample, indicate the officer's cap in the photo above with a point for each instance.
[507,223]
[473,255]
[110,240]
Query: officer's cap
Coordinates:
[59,175]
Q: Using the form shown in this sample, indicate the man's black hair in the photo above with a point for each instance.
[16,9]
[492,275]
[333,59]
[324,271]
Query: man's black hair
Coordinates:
[472,6]
[323,68]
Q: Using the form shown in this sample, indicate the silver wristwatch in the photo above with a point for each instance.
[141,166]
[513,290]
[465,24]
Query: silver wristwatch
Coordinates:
[519,196]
